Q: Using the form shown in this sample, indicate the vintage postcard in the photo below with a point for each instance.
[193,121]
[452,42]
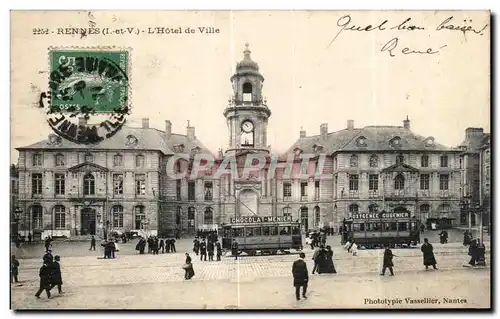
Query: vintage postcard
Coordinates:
[250,160]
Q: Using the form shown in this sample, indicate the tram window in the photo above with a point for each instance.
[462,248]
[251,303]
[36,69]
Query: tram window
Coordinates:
[295,230]
[376,226]
[248,231]
[285,230]
[265,231]
[413,226]
[227,232]
[362,227]
[390,226]
[355,227]
[273,230]
[238,232]
[257,231]
[402,226]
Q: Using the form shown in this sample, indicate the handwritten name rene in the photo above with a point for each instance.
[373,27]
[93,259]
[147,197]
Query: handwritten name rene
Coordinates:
[393,47]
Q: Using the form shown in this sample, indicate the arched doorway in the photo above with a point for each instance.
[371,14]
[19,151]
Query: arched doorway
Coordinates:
[304,215]
[248,203]
[88,221]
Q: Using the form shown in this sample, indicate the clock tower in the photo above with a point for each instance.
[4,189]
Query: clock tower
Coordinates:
[247,113]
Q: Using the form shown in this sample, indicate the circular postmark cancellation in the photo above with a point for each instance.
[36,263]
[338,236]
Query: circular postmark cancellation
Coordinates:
[88,84]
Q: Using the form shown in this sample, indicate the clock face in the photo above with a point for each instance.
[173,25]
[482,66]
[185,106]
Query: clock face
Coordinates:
[247,126]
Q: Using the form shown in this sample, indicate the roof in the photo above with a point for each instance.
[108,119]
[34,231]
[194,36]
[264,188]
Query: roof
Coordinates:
[377,138]
[149,139]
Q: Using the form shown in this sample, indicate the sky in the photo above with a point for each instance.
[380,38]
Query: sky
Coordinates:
[309,80]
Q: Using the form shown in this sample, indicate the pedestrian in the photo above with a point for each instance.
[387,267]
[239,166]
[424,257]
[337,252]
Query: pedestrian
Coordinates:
[354,249]
[473,252]
[210,250]
[56,277]
[322,260]
[428,252]
[188,268]
[218,250]
[155,246]
[92,243]
[443,238]
[44,279]
[47,243]
[467,238]
[162,246]
[29,238]
[422,228]
[316,260]
[234,249]
[48,256]
[300,276]
[112,249]
[329,266]
[387,263]
[203,250]
[107,249]
[347,245]
[142,246]
[172,245]
[14,269]
[196,246]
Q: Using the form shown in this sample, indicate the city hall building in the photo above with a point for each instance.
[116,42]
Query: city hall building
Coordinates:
[122,183]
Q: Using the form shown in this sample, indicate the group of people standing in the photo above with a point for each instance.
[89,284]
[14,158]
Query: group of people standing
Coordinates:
[155,245]
[50,275]
[323,260]
[474,248]
[212,247]
[316,238]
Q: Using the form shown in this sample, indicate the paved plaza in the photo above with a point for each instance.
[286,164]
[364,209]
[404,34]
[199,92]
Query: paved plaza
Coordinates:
[133,281]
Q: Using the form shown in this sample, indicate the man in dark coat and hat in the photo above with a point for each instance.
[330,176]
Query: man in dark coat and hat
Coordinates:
[388,260]
[203,250]
[300,276]
[14,269]
[55,274]
[45,280]
[429,259]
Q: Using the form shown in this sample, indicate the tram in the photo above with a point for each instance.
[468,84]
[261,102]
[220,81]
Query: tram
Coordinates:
[266,234]
[370,230]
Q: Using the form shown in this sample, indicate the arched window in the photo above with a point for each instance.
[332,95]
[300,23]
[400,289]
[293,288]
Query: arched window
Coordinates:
[353,161]
[424,161]
[353,208]
[208,216]
[304,217]
[139,161]
[373,208]
[117,216]
[139,216]
[60,217]
[287,211]
[425,210]
[89,184]
[399,182]
[247,92]
[59,160]
[317,216]
[191,213]
[178,215]
[374,161]
[37,217]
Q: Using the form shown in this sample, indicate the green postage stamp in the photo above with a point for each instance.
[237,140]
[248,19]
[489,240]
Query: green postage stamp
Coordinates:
[87,81]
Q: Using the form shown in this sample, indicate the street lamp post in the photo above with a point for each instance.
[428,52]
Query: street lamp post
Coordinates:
[15,224]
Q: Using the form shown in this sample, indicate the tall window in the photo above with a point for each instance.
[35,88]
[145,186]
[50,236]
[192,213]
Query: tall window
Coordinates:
[444,181]
[287,211]
[374,161]
[139,161]
[117,216]
[60,184]
[37,160]
[208,216]
[117,160]
[424,181]
[400,159]
[60,217]
[373,182]
[178,214]
[316,190]
[140,184]
[247,92]
[191,213]
[287,190]
[424,161]
[191,190]
[317,216]
[353,161]
[303,189]
[209,191]
[89,158]
[37,216]
[399,182]
[36,183]
[139,215]
[353,182]
[444,160]
[89,184]
[59,160]
[424,210]
[353,208]
[118,184]
[178,189]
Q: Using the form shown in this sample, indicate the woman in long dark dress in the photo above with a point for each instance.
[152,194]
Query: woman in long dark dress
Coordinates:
[429,259]
[329,266]
[188,268]
[321,258]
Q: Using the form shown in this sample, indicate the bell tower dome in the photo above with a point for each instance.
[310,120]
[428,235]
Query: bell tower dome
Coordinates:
[247,113]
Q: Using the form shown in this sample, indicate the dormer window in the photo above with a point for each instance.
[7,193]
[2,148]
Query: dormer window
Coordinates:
[297,151]
[54,139]
[317,148]
[195,150]
[131,140]
[396,142]
[429,142]
[361,141]
[179,148]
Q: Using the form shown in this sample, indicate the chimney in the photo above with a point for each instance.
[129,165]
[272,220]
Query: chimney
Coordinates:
[190,132]
[82,121]
[350,125]
[302,133]
[474,137]
[168,128]
[406,123]
[145,123]
[323,130]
